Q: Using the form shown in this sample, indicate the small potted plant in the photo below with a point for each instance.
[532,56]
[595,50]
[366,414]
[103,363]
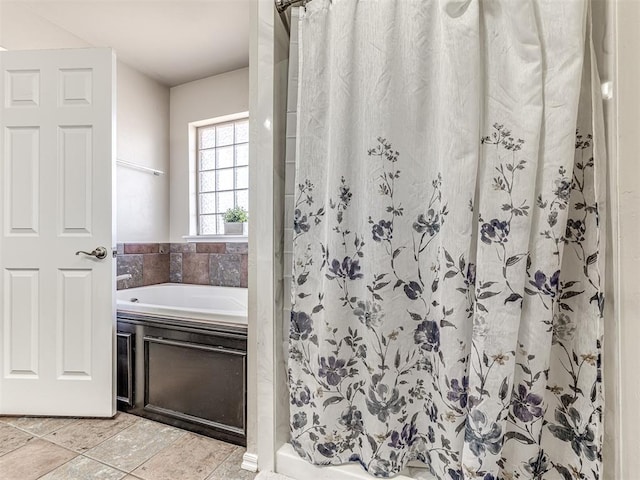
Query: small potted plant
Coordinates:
[235,221]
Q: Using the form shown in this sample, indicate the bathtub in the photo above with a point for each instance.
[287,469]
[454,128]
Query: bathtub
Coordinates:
[202,303]
[181,355]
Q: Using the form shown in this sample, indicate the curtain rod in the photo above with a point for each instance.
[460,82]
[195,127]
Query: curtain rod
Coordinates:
[142,168]
[283,5]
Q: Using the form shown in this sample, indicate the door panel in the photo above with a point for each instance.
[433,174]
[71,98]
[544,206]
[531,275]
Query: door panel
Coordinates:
[74,323]
[58,314]
[22,182]
[21,320]
[75,181]
[23,88]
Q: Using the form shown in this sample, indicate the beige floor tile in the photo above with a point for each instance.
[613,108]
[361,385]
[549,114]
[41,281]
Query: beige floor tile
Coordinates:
[40,426]
[230,468]
[83,468]
[12,438]
[33,460]
[192,457]
[135,445]
[87,433]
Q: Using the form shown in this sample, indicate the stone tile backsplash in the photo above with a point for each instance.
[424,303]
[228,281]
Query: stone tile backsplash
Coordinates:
[147,263]
[223,264]
[195,268]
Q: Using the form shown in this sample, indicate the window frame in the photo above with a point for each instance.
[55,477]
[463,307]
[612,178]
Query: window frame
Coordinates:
[195,231]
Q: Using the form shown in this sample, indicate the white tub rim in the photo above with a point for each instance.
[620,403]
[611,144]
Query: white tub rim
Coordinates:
[227,318]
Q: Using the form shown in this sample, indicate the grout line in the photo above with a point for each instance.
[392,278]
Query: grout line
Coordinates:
[141,420]
[85,453]
[19,446]
[102,462]
[48,432]
[223,461]
[25,431]
[135,420]
[124,473]
[184,433]
[58,466]
[70,460]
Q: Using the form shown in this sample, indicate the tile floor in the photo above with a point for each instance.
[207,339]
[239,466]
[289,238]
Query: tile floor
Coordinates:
[123,448]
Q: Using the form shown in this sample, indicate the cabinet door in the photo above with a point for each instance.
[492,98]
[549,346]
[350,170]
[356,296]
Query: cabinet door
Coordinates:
[199,383]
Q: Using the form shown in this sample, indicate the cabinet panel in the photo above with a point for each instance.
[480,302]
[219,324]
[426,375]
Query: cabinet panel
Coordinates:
[125,368]
[196,381]
[185,374]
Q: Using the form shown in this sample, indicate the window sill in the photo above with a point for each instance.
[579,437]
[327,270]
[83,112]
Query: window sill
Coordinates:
[216,238]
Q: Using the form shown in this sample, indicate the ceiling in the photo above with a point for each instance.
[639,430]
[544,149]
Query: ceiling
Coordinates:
[173,42]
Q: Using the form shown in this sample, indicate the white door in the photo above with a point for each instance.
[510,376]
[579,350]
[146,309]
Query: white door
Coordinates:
[57,311]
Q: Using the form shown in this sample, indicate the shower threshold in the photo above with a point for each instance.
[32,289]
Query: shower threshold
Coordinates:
[289,463]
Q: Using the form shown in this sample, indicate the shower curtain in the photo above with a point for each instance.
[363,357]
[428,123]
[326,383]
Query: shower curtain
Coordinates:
[448,248]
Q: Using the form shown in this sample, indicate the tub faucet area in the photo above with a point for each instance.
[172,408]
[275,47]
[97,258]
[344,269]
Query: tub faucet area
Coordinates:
[124,276]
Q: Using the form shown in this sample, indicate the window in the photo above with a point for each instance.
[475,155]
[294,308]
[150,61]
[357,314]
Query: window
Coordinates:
[223,172]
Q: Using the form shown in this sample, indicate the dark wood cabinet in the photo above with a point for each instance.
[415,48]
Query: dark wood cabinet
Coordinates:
[187,374]
[124,349]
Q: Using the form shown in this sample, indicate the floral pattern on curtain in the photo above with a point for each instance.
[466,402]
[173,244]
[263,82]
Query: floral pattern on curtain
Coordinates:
[448,275]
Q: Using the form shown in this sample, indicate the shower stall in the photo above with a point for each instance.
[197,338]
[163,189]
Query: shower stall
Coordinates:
[274,77]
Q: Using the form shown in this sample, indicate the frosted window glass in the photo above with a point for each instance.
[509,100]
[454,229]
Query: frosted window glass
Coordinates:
[225,157]
[242,132]
[242,154]
[225,179]
[207,203]
[207,181]
[225,201]
[224,135]
[242,177]
[207,137]
[220,223]
[207,159]
[208,224]
[242,199]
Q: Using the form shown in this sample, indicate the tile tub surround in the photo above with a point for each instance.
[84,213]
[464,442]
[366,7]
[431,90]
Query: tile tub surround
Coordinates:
[125,447]
[147,263]
[220,264]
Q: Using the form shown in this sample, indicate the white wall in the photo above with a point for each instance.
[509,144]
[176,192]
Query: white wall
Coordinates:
[142,126]
[604,41]
[143,138]
[211,97]
[625,183]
